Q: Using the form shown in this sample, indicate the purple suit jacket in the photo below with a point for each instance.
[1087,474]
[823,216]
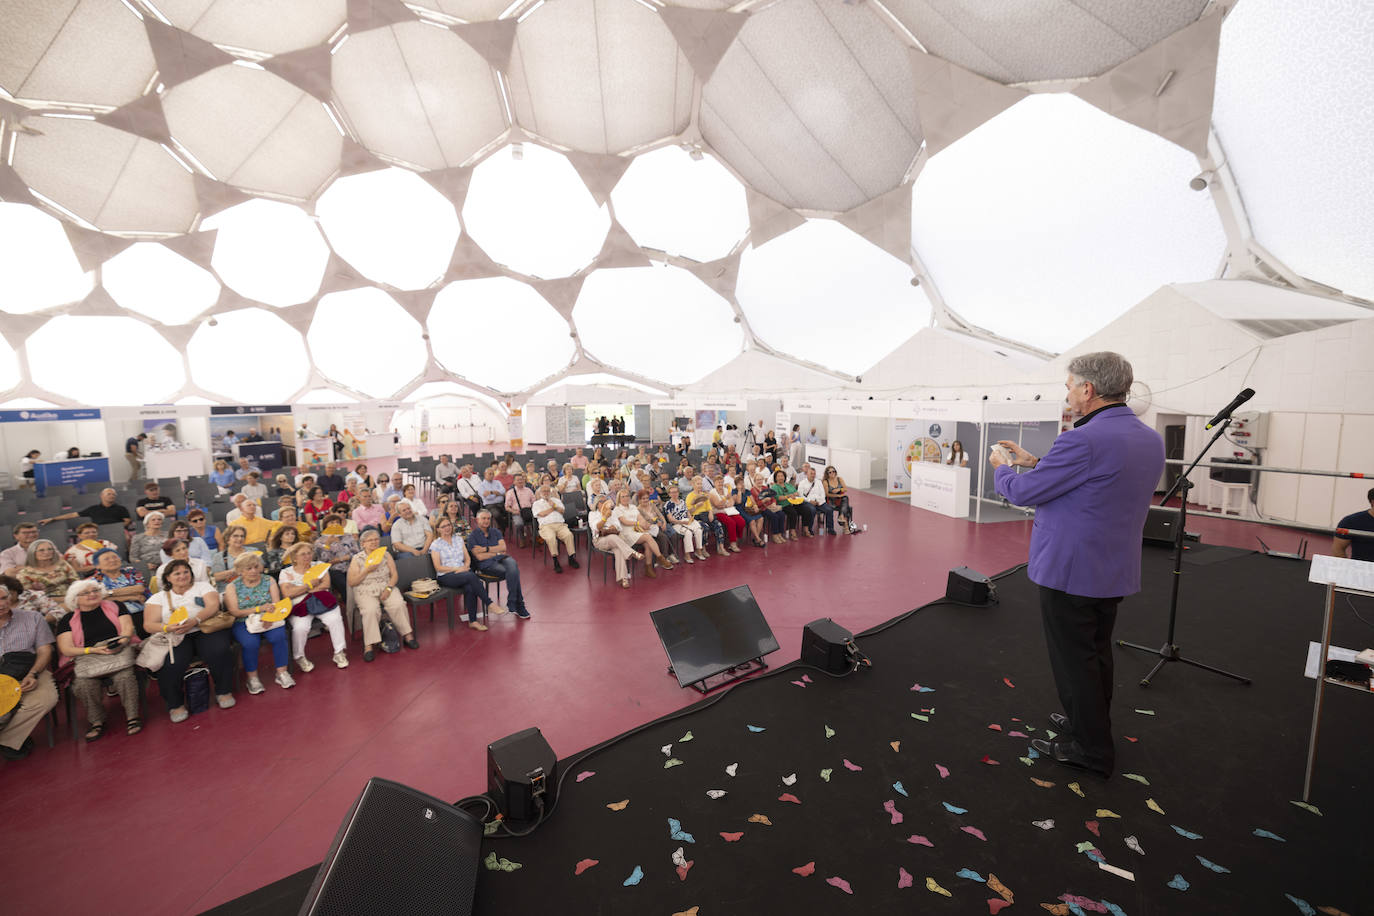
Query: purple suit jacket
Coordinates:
[1091,493]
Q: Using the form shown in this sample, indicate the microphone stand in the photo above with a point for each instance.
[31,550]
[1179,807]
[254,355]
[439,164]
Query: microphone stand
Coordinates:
[1169,651]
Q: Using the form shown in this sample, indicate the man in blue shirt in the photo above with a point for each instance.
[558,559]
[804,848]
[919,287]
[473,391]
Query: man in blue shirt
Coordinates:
[493,495]
[1357,547]
[488,548]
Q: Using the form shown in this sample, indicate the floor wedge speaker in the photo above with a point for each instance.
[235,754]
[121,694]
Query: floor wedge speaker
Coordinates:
[398,851]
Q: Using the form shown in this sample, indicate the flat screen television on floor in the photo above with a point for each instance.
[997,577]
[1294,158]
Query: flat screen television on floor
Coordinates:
[713,634]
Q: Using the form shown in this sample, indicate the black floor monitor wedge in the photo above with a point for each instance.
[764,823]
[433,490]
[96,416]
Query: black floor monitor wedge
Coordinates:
[398,851]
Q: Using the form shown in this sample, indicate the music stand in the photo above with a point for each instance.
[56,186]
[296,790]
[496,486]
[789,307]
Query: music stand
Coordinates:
[1169,651]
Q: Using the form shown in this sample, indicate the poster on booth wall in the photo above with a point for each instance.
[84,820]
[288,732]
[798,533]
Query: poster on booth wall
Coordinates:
[161,432]
[515,426]
[911,441]
[782,428]
[422,425]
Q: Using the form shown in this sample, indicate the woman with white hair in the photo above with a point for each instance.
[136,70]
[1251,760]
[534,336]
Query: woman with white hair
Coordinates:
[48,575]
[248,597]
[95,637]
[145,548]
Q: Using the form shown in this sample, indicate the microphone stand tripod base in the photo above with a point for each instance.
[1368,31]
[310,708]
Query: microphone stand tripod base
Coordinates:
[1169,653]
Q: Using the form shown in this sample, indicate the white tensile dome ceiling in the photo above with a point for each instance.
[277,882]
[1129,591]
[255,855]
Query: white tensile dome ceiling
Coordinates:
[372,197]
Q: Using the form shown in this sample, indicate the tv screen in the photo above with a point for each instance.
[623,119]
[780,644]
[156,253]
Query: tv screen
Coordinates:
[712,634]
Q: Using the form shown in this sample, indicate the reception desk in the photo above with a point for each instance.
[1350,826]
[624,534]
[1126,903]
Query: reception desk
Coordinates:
[853,464]
[76,472]
[181,462]
[940,488]
[379,445]
[268,456]
[819,455]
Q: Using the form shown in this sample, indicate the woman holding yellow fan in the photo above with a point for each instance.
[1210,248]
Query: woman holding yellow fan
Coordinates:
[372,576]
[308,588]
[178,610]
[253,598]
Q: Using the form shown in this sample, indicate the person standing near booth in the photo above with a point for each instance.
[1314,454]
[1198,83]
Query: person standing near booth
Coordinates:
[1091,491]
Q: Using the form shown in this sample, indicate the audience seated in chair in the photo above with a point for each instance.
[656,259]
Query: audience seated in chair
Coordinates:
[180,592]
[374,584]
[248,598]
[96,629]
[311,600]
[26,642]
[488,548]
[453,570]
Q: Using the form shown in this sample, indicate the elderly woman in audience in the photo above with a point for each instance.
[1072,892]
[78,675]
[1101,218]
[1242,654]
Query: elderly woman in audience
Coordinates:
[248,597]
[222,476]
[453,511]
[596,489]
[838,496]
[675,509]
[651,515]
[222,569]
[289,518]
[279,548]
[337,550]
[634,530]
[304,485]
[789,502]
[440,507]
[360,476]
[124,583]
[281,486]
[45,572]
[201,528]
[726,512]
[344,510]
[374,590]
[311,600]
[88,541]
[606,537]
[178,549]
[99,627]
[145,549]
[453,569]
[196,546]
[180,592]
[748,505]
[699,504]
[570,480]
[767,502]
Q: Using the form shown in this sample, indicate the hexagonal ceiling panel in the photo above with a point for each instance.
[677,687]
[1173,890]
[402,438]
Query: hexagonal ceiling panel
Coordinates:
[37,262]
[363,339]
[259,25]
[691,207]
[825,294]
[391,225]
[250,356]
[74,51]
[1082,214]
[472,306]
[1043,40]
[9,366]
[268,251]
[419,94]
[623,335]
[814,105]
[600,76]
[534,214]
[111,179]
[255,130]
[156,370]
[153,280]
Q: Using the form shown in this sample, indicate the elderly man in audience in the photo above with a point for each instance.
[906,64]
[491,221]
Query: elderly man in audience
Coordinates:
[680,517]
[255,527]
[106,512]
[11,558]
[330,481]
[145,548]
[410,533]
[488,548]
[254,488]
[26,644]
[578,460]
[465,489]
[370,515]
[153,501]
[553,526]
[785,465]
[234,514]
[246,467]
[493,496]
[519,506]
[812,489]
[445,473]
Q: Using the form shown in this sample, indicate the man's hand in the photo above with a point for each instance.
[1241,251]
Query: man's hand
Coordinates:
[28,683]
[1022,458]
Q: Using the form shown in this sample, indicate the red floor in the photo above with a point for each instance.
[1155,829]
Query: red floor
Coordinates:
[192,815]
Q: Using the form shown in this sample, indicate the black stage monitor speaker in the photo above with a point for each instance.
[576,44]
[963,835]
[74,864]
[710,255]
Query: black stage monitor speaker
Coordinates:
[1161,526]
[522,775]
[968,586]
[1238,474]
[398,851]
[825,645]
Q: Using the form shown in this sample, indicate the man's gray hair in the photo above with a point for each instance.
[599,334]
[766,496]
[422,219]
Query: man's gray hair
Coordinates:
[1110,373]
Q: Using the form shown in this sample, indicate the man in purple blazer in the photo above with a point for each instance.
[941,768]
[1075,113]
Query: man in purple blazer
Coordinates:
[1091,494]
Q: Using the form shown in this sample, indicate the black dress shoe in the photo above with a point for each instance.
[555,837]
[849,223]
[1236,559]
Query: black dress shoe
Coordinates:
[10,753]
[1060,721]
[369,654]
[1067,753]
[410,643]
[572,561]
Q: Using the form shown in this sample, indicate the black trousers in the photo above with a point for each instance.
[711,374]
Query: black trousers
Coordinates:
[1078,634]
[215,649]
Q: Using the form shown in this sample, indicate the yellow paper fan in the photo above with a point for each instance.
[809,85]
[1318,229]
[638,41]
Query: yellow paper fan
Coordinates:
[279,611]
[314,572]
[9,693]
[376,556]
[178,617]
[92,545]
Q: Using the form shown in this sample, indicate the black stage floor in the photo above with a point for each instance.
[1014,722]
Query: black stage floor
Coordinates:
[912,799]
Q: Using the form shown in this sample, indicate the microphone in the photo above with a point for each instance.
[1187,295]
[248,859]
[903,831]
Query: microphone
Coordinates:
[1226,411]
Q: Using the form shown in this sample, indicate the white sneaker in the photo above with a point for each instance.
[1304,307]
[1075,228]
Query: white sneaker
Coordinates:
[227,701]
[305,664]
[341,659]
[254,685]
[284,679]
[690,561]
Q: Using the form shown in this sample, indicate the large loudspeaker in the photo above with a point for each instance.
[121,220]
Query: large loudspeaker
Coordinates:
[398,851]
[1161,526]
[522,775]
[968,586]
